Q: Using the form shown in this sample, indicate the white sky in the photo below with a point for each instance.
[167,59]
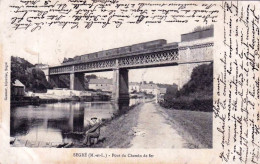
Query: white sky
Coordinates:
[53,45]
[157,75]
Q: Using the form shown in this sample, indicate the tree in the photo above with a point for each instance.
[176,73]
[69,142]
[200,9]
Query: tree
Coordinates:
[33,78]
[201,81]
[171,91]
[65,60]
[92,76]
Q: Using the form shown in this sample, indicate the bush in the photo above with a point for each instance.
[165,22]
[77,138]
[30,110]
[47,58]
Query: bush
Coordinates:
[201,81]
[196,94]
[196,105]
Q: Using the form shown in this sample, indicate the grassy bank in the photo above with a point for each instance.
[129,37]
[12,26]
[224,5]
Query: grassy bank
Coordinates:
[194,126]
[189,103]
[117,133]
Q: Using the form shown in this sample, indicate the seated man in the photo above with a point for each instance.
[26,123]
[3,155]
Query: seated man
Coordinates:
[93,132]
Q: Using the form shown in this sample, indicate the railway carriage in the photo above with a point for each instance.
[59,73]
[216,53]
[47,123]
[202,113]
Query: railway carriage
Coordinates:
[121,51]
[124,50]
[112,52]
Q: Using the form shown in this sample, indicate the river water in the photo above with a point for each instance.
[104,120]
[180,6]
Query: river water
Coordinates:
[53,122]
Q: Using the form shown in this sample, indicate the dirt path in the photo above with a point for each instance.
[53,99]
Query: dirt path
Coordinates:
[154,131]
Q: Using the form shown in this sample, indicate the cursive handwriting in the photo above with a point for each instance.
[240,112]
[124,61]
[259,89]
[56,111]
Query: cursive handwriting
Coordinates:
[71,14]
[238,85]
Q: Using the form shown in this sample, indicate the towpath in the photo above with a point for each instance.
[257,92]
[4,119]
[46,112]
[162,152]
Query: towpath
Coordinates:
[154,131]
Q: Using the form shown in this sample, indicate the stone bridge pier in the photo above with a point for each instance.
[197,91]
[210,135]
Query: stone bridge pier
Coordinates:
[120,92]
[77,81]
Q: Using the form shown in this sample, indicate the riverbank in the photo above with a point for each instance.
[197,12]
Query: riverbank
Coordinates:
[32,101]
[193,126]
[45,99]
[118,132]
[149,125]
[167,129]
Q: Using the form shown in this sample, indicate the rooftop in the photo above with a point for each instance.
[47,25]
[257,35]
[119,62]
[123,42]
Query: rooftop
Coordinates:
[162,90]
[134,83]
[149,86]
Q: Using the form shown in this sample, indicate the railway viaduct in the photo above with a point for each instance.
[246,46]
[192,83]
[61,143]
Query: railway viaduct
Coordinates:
[195,48]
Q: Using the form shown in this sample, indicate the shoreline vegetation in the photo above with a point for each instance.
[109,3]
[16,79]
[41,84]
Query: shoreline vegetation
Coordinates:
[35,100]
[196,94]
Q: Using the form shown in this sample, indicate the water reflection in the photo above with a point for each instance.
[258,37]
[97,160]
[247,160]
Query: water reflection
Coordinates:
[52,122]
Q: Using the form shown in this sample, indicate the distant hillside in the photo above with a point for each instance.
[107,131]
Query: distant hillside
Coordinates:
[33,78]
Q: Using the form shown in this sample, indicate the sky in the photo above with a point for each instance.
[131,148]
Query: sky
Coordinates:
[147,74]
[53,45]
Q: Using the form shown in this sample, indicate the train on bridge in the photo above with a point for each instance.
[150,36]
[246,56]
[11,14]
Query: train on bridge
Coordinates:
[135,48]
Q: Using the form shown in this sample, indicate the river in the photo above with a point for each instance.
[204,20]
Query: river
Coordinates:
[53,122]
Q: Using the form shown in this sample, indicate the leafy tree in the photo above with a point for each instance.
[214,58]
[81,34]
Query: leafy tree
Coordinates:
[33,78]
[201,81]
[171,91]
[92,76]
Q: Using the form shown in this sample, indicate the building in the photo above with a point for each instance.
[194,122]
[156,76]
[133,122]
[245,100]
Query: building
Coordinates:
[100,84]
[161,91]
[152,89]
[40,65]
[104,84]
[18,89]
[64,92]
[134,87]
[160,94]
[149,88]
